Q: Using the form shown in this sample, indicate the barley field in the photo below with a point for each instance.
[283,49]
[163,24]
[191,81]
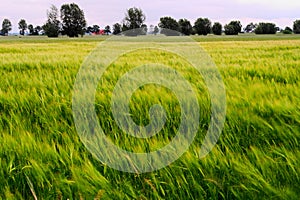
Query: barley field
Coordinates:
[257,155]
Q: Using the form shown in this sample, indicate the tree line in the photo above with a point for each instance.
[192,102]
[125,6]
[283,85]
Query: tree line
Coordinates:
[70,20]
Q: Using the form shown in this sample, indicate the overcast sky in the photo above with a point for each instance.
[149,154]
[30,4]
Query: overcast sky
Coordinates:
[108,12]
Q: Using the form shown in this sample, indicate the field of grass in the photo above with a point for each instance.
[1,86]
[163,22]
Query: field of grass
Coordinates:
[256,157]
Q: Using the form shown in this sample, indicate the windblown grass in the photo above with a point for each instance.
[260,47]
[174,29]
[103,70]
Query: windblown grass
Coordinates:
[257,156]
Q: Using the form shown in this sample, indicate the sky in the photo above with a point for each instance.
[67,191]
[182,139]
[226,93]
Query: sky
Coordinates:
[108,12]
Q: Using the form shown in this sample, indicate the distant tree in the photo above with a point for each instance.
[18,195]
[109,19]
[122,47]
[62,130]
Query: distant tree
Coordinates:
[73,20]
[217,28]
[134,18]
[144,29]
[37,30]
[296,27]
[52,27]
[22,26]
[89,30]
[34,30]
[250,27]
[287,30]
[202,26]
[117,28]
[266,28]
[167,24]
[233,28]
[6,27]
[96,29]
[134,21]
[229,30]
[185,26]
[156,30]
[107,30]
[31,29]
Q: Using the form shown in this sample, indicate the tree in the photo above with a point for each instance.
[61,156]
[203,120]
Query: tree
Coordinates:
[233,28]
[296,27]
[89,30]
[250,27]
[134,18]
[217,28]
[34,30]
[37,30]
[185,26]
[229,30]
[6,27]
[31,29]
[266,28]
[287,30]
[52,26]
[202,26]
[22,26]
[167,24]
[156,30]
[96,29]
[73,20]
[144,29]
[134,21]
[107,30]
[117,28]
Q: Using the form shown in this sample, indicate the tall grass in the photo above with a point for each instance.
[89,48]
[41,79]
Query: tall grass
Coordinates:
[257,156]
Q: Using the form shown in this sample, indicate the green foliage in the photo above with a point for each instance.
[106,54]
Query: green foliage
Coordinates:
[233,28]
[31,29]
[185,26]
[144,29]
[117,28]
[134,19]
[287,30]
[169,23]
[96,29]
[202,26]
[217,28]
[230,30]
[107,30]
[6,26]
[296,27]
[250,27]
[22,26]
[73,20]
[266,28]
[52,26]
[34,30]
[89,30]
